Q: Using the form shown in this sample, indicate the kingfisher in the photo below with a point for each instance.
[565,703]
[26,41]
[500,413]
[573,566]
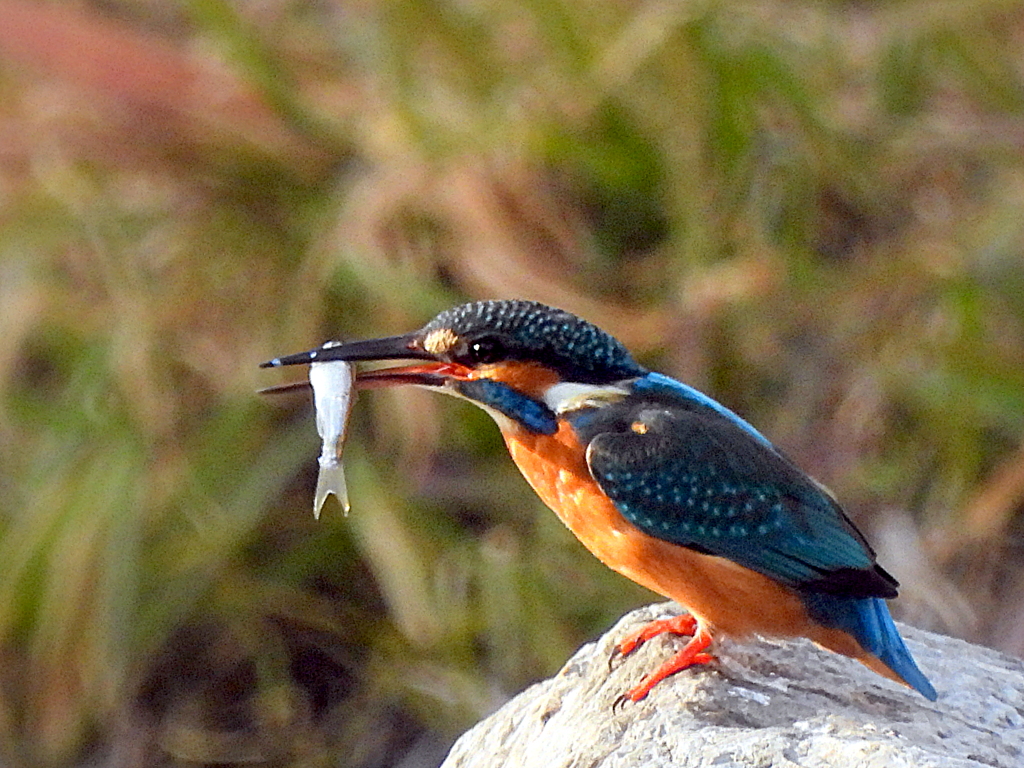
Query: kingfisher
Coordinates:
[660,482]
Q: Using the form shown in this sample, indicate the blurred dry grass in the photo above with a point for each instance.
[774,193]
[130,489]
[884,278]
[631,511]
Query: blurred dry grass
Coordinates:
[811,210]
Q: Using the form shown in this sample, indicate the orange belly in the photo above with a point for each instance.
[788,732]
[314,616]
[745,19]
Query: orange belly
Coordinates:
[725,596]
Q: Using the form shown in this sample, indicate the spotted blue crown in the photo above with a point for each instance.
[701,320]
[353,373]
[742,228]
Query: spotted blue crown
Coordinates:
[527,330]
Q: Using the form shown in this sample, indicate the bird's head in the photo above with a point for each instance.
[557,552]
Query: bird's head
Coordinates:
[523,362]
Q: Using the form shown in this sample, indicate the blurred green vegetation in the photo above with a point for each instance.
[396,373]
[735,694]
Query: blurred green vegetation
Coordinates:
[812,210]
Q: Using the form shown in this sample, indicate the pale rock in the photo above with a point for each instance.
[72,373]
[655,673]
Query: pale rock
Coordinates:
[766,703]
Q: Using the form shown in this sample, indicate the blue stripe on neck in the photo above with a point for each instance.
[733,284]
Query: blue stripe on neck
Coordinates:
[532,414]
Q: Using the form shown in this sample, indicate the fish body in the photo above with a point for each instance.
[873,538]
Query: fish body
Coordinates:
[333,395]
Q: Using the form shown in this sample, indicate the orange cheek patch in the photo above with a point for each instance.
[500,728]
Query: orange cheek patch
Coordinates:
[532,379]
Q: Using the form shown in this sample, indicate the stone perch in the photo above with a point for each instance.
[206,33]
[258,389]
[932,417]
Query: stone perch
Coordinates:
[771,704]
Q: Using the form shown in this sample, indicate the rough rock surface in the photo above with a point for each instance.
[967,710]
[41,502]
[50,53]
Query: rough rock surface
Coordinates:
[767,703]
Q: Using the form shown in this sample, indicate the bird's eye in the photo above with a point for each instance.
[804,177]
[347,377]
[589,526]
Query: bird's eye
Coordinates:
[486,349]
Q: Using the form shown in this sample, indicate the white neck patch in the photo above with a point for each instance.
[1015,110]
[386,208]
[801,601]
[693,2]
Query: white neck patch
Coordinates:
[569,396]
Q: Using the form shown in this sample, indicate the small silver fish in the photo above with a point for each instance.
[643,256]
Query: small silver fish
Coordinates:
[333,395]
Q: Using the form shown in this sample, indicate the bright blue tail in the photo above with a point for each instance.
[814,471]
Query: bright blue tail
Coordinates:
[868,620]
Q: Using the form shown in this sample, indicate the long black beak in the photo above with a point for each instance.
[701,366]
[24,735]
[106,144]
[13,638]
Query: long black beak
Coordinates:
[390,348]
[435,373]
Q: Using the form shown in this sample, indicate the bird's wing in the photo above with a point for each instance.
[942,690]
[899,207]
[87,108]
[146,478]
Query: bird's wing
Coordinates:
[685,472]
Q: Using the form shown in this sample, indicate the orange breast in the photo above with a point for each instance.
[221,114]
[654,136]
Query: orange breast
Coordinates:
[727,597]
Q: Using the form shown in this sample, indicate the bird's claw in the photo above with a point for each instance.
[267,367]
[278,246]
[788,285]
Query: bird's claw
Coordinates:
[683,624]
[621,700]
[612,657]
[693,653]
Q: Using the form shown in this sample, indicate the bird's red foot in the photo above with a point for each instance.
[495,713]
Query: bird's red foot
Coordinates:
[692,654]
[683,624]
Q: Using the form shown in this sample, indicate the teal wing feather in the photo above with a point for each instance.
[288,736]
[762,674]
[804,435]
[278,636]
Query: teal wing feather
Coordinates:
[685,471]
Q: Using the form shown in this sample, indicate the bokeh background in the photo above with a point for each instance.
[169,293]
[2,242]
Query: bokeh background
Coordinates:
[812,210]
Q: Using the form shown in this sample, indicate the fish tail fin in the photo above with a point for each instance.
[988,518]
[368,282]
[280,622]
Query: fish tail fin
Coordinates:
[331,479]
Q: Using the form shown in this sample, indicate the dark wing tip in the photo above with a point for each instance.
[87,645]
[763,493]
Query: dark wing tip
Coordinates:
[855,582]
